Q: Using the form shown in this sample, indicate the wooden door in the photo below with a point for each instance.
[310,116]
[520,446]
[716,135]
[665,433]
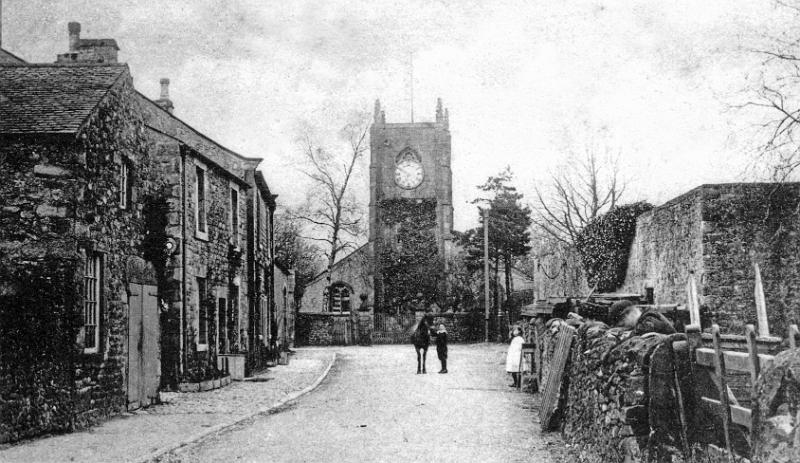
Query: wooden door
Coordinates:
[144,355]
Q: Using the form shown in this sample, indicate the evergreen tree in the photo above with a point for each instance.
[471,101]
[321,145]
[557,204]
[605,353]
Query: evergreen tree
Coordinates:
[509,228]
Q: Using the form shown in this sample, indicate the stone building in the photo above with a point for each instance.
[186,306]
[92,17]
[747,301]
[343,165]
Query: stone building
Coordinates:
[718,232]
[157,241]
[210,193]
[75,183]
[350,278]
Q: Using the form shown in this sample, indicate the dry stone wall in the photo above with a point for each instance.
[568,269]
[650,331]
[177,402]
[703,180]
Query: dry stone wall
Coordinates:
[621,401]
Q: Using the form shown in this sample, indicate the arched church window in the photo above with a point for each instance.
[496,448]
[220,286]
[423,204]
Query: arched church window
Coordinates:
[340,298]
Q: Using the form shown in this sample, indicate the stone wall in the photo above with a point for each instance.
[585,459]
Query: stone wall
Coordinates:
[60,201]
[719,231]
[620,400]
[318,329]
[461,327]
[315,329]
[559,273]
[667,246]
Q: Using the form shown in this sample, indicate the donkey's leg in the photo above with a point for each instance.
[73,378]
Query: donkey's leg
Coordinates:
[419,368]
[424,354]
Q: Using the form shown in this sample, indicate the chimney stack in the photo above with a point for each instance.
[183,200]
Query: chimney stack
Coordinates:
[164,100]
[74,35]
[377,113]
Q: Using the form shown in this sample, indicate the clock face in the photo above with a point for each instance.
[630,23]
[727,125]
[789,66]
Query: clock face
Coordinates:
[408,174]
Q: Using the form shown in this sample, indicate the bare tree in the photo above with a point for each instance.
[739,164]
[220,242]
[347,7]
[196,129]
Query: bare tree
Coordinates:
[332,212]
[586,186]
[774,97]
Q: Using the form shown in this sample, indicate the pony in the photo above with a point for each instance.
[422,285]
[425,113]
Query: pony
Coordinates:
[421,338]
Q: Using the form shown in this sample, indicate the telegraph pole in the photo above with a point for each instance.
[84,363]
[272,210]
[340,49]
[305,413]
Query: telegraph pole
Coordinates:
[486,294]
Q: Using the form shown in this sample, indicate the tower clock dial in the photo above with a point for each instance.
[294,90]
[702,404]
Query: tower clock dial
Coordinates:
[408,173]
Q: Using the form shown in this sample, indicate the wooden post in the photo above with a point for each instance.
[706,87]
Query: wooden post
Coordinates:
[719,368]
[692,302]
[755,370]
[687,449]
[761,305]
[793,337]
[487,296]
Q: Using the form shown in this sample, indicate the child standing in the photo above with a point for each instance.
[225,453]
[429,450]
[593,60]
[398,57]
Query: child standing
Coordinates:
[514,355]
[441,347]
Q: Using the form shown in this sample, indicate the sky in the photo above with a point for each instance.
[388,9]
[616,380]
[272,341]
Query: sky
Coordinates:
[526,82]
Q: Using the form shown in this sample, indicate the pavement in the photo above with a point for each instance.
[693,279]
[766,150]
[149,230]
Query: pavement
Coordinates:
[147,434]
[372,407]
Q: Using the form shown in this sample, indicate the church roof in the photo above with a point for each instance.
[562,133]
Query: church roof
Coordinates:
[52,99]
[340,262]
[6,57]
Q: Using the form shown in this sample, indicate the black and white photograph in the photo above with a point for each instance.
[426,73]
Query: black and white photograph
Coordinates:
[400,231]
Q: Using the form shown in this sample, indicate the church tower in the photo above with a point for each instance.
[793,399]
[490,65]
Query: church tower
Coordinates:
[410,210]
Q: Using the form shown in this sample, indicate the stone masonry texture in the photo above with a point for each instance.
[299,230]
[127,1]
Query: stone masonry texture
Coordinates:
[61,200]
[719,232]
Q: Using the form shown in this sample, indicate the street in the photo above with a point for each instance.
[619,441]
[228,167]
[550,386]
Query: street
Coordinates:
[373,407]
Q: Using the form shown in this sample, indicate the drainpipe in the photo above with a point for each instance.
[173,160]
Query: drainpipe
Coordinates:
[183,264]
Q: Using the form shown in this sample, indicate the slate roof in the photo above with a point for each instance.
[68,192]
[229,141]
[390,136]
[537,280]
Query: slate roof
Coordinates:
[6,57]
[52,99]
[91,43]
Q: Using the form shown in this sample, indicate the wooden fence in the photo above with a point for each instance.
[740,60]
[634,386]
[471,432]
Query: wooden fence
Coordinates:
[726,358]
[720,363]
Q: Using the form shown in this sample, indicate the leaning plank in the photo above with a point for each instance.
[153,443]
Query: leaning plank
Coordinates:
[719,368]
[734,361]
[761,304]
[739,415]
[755,371]
[555,378]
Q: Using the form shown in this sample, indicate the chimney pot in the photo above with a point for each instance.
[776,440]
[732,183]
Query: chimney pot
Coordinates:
[164,87]
[74,29]
[164,100]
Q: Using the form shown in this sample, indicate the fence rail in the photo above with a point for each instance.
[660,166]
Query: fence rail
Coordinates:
[719,363]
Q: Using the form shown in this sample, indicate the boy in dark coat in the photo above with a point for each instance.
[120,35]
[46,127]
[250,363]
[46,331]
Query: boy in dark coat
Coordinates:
[441,347]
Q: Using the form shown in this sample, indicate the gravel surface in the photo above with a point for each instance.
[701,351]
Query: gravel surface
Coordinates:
[373,407]
[135,436]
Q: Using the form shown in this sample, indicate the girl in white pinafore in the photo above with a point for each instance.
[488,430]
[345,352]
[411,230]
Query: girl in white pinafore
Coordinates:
[514,354]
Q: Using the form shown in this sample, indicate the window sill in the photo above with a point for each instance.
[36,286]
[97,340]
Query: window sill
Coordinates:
[202,347]
[203,236]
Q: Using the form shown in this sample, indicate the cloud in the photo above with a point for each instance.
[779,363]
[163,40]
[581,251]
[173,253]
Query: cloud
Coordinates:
[521,78]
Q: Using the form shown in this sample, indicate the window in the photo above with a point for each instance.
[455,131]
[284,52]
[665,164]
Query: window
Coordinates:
[200,204]
[125,183]
[91,302]
[202,313]
[340,298]
[258,221]
[234,216]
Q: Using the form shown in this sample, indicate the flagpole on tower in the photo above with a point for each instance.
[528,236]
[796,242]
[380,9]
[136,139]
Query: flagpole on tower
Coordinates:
[412,84]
